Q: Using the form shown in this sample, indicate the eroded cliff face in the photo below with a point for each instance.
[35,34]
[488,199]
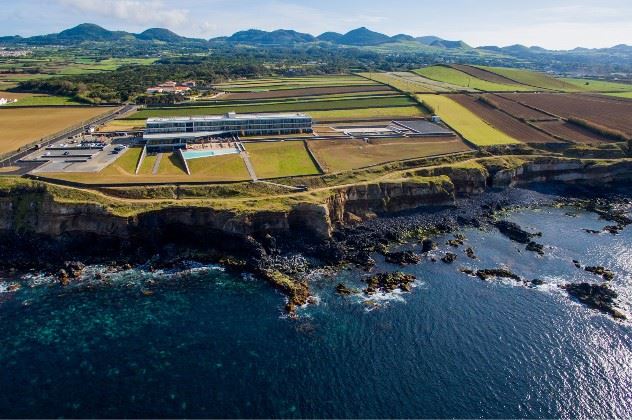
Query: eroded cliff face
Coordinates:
[571,171]
[30,219]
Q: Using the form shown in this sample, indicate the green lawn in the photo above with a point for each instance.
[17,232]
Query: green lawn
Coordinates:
[125,164]
[465,122]
[599,85]
[218,168]
[147,166]
[456,77]
[171,164]
[297,106]
[533,78]
[280,159]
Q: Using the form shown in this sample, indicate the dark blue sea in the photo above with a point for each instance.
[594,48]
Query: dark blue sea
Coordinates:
[204,343]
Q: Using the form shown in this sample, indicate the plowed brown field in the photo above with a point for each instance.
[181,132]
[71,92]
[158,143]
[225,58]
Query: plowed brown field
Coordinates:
[518,110]
[571,132]
[484,75]
[503,122]
[600,110]
[313,91]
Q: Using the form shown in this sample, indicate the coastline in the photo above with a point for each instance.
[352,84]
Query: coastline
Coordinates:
[39,233]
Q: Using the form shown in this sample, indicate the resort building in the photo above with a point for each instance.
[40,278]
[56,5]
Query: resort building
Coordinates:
[175,133]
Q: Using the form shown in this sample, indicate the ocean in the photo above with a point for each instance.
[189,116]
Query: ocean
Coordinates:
[203,342]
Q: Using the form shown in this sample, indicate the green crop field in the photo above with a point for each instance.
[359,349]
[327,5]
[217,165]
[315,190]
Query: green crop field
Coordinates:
[627,95]
[348,154]
[533,78]
[399,83]
[256,85]
[456,77]
[368,113]
[465,122]
[599,85]
[280,159]
[42,100]
[394,101]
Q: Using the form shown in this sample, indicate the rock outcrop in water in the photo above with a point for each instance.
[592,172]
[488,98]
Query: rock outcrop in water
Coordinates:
[388,282]
[595,296]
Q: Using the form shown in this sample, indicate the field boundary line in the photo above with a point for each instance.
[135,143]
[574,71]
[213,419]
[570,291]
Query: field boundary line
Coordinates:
[311,154]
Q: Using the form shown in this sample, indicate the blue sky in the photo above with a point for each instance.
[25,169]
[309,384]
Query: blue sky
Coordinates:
[559,24]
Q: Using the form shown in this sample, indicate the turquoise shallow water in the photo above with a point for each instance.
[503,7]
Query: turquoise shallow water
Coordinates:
[210,344]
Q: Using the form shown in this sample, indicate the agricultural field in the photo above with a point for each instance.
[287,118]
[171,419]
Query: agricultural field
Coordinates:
[486,75]
[466,123]
[571,132]
[23,126]
[602,110]
[456,77]
[295,106]
[280,159]
[282,83]
[533,79]
[390,113]
[349,154]
[40,100]
[625,95]
[406,82]
[306,91]
[599,85]
[501,121]
[515,109]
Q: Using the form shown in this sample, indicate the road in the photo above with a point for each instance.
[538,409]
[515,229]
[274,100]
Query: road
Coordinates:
[13,159]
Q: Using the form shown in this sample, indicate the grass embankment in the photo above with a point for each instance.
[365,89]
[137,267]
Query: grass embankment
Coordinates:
[466,123]
[280,159]
[231,197]
[456,77]
[532,78]
[22,126]
[344,155]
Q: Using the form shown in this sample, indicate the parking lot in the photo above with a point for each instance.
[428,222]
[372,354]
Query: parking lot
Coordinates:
[79,154]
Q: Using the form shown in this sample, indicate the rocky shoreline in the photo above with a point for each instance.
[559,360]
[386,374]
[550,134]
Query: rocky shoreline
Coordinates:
[283,249]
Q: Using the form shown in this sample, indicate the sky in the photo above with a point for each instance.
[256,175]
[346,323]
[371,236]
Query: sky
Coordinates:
[553,24]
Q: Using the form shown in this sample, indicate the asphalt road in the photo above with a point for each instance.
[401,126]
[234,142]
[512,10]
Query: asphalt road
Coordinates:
[13,159]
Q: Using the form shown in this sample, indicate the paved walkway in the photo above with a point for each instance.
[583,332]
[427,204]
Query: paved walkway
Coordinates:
[154,170]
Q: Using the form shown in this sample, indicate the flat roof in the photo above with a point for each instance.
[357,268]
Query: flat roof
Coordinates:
[181,135]
[229,117]
[423,127]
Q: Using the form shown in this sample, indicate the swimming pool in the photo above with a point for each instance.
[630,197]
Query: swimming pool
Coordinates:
[196,154]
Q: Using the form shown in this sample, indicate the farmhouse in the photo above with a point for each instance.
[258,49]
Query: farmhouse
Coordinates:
[171,87]
[175,133]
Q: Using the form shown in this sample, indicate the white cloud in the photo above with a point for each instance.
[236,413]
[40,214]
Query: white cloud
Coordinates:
[138,12]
